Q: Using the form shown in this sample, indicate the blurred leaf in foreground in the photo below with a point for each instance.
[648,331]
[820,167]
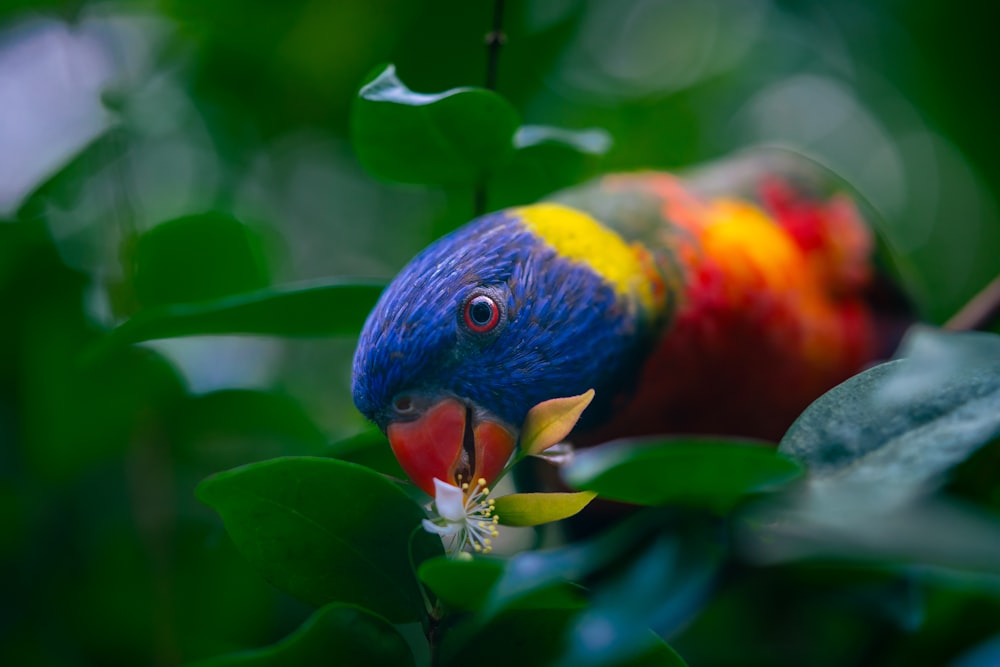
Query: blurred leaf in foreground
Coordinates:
[354,635]
[702,472]
[878,446]
[901,425]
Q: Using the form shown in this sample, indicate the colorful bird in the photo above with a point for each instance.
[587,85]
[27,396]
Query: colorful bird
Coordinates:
[722,303]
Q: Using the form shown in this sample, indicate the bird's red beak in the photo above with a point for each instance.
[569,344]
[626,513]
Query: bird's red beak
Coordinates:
[451,442]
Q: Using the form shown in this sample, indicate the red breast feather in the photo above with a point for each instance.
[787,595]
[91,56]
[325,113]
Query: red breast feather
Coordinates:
[771,313]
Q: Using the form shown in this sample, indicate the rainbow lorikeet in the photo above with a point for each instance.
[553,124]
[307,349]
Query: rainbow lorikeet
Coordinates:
[722,303]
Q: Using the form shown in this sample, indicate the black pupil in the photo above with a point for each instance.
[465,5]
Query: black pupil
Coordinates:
[481,312]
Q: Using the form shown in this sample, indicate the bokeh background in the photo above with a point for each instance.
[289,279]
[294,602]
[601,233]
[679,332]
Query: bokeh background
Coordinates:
[116,117]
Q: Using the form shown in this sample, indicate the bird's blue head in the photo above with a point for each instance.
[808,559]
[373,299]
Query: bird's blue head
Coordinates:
[515,308]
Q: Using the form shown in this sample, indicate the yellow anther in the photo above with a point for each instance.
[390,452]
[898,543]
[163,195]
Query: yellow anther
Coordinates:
[486,540]
[465,486]
[482,481]
[496,519]
[477,547]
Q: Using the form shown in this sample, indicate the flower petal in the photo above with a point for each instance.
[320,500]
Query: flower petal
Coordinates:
[550,421]
[444,531]
[559,454]
[449,501]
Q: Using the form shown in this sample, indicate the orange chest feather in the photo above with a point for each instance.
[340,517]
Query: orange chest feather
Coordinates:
[759,332]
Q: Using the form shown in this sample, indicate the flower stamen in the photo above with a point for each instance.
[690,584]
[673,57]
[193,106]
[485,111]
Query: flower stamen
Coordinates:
[464,516]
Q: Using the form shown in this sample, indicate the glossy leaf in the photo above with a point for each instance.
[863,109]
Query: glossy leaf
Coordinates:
[455,138]
[902,424]
[467,585]
[462,584]
[593,141]
[326,531]
[336,630]
[663,580]
[876,446]
[691,471]
[547,159]
[321,308]
[535,509]
[550,421]
[530,571]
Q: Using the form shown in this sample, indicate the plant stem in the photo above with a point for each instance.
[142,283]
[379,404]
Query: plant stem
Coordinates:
[979,312]
[494,40]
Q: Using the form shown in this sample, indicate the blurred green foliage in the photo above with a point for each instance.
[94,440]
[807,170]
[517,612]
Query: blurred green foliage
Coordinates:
[165,164]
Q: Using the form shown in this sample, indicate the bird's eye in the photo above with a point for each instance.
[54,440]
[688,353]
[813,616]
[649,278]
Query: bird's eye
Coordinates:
[482,313]
[403,404]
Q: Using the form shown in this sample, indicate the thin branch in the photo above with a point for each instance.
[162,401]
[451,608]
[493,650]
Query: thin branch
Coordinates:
[980,312]
[494,40]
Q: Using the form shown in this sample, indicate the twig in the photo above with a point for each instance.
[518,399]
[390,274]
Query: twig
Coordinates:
[494,40]
[979,312]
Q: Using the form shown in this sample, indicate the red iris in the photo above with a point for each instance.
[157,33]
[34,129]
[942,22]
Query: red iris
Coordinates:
[481,313]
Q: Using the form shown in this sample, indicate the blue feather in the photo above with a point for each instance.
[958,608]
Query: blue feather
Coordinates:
[565,331]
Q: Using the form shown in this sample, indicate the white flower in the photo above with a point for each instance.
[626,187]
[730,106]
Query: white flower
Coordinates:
[463,517]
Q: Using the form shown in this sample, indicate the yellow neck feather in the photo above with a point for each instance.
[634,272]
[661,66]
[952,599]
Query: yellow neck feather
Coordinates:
[580,238]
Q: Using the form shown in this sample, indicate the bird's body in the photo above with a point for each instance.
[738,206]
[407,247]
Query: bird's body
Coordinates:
[720,304]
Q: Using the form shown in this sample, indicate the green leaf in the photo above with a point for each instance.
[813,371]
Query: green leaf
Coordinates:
[593,141]
[611,637]
[462,584]
[534,509]
[517,637]
[369,448]
[455,138]
[335,307]
[903,424]
[858,524]
[227,428]
[657,653]
[876,446]
[326,531]
[196,258]
[467,584]
[337,632]
[531,571]
[691,471]
[547,159]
